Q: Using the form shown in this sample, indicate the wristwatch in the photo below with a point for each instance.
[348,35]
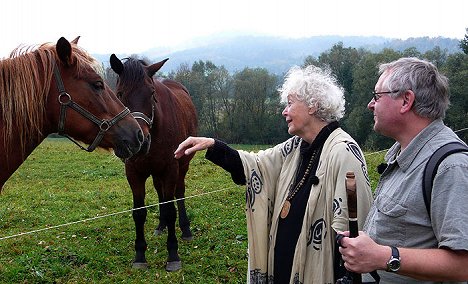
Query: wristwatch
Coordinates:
[393,264]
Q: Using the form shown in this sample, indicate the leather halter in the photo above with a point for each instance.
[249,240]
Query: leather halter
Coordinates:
[65,101]
[144,117]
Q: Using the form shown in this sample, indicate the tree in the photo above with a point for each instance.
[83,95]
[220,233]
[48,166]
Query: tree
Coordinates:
[341,61]
[199,80]
[464,43]
[218,104]
[411,52]
[456,70]
[310,60]
[359,120]
[436,56]
[256,106]
[244,107]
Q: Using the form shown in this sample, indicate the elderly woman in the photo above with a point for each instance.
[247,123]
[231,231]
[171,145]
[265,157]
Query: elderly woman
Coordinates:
[296,197]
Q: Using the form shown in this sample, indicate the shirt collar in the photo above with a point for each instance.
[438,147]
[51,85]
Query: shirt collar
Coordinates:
[407,156]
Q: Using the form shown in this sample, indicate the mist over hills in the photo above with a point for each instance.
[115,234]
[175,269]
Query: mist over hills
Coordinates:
[277,54]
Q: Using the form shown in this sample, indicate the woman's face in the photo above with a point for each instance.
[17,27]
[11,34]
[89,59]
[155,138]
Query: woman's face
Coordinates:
[297,116]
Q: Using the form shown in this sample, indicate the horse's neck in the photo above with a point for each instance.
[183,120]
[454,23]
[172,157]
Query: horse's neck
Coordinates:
[12,158]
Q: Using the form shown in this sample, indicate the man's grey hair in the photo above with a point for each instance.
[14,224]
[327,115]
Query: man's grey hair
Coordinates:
[431,88]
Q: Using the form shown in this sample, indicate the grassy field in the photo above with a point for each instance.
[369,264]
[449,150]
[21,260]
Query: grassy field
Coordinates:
[65,217]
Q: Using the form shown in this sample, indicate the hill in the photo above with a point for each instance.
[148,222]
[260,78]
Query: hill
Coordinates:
[278,54]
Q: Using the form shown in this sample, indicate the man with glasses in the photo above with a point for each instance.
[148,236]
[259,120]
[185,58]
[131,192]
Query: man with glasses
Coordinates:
[401,239]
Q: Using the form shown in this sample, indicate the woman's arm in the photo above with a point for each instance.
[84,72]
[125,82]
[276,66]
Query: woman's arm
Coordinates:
[192,145]
[218,152]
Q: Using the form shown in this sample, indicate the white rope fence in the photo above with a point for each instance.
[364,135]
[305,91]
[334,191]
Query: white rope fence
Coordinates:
[108,215]
[135,209]
[373,153]
[459,130]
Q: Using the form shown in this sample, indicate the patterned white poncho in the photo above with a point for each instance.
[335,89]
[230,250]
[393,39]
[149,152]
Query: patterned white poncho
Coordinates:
[269,175]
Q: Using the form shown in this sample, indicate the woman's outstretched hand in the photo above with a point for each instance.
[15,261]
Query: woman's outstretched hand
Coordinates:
[193,144]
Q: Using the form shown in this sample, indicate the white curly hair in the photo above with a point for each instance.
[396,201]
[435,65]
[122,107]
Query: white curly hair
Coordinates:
[317,88]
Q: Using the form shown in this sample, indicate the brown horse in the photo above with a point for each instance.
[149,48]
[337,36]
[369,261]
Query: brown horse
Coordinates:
[165,109]
[57,88]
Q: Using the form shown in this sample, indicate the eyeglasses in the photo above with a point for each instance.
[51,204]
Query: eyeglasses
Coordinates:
[377,95]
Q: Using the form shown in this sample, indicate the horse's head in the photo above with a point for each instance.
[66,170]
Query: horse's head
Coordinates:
[136,90]
[85,106]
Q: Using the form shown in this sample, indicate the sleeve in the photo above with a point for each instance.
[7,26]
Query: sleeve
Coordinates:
[228,159]
[449,212]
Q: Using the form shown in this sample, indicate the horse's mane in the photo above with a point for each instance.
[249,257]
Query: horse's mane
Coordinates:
[134,72]
[24,85]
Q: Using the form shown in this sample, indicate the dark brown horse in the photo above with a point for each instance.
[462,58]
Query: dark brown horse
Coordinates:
[165,109]
[58,88]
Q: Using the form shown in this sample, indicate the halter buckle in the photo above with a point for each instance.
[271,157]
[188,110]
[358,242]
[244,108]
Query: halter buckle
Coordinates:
[67,99]
[104,126]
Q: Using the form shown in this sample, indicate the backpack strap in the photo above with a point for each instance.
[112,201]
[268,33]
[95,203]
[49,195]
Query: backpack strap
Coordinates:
[430,169]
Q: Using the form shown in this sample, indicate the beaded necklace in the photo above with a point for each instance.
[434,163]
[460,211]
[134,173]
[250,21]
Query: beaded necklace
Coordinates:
[287,204]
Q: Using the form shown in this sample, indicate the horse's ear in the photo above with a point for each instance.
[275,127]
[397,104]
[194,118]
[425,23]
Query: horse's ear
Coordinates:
[155,67]
[116,64]
[75,41]
[64,51]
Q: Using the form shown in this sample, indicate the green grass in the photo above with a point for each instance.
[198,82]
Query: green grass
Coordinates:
[59,185]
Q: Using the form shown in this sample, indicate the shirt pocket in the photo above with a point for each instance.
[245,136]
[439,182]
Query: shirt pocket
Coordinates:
[390,223]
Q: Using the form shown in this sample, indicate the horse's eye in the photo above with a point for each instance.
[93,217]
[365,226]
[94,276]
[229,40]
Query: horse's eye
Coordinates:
[119,95]
[98,85]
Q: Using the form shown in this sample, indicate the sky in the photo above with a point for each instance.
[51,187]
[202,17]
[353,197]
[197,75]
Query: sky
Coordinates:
[134,26]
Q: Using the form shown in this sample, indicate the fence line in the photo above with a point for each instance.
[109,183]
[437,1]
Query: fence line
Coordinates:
[108,215]
[147,206]
[373,153]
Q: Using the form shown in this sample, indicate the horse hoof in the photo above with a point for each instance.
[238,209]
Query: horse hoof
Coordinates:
[187,238]
[140,265]
[173,265]
[158,232]
[186,234]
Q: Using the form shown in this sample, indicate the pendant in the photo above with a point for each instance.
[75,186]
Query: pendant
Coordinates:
[285,210]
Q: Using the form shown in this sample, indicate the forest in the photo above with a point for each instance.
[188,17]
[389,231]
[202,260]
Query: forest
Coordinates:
[243,107]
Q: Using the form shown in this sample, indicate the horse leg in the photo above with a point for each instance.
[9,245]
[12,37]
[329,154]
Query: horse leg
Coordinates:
[137,185]
[168,216]
[173,260]
[162,223]
[184,222]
